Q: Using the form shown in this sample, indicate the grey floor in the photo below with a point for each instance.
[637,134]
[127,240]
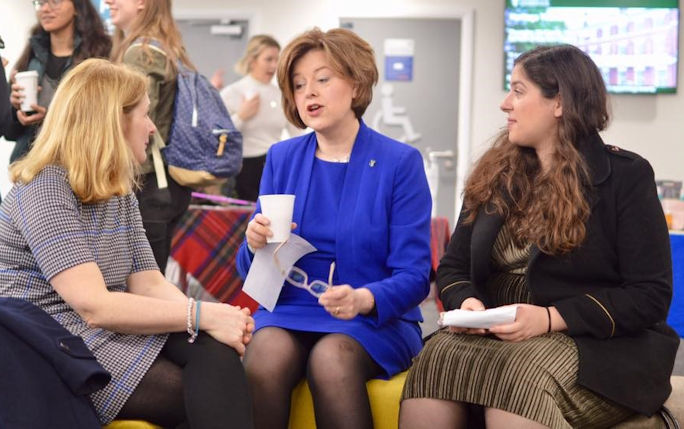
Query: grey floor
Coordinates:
[430,316]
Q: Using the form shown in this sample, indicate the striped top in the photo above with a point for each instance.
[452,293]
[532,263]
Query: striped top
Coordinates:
[45,229]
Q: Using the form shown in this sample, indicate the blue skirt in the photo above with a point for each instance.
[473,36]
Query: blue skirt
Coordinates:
[392,346]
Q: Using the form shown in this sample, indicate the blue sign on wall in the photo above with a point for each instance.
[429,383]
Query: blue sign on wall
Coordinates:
[676,316]
[399,68]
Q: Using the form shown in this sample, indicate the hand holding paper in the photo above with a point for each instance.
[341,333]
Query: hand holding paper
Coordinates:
[478,319]
[264,279]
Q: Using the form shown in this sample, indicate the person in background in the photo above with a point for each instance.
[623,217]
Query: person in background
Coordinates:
[571,231]
[254,104]
[5,106]
[68,32]
[72,243]
[148,39]
[363,201]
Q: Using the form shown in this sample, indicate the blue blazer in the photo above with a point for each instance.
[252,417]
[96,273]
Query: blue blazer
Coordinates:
[383,232]
[47,373]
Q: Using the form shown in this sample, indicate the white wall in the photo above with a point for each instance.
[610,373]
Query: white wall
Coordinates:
[650,125]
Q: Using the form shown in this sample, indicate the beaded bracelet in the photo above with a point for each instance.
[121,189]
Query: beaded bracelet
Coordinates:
[188,320]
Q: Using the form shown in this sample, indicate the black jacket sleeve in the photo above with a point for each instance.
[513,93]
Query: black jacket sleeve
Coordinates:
[5,107]
[453,274]
[644,264]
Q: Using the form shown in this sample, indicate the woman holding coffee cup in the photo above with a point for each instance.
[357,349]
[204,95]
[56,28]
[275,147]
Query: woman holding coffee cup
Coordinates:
[68,32]
[347,312]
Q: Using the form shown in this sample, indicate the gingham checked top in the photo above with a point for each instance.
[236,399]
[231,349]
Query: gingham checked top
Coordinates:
[45,229]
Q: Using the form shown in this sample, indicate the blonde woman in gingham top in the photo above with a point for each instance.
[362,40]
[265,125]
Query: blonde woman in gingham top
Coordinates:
[72,243]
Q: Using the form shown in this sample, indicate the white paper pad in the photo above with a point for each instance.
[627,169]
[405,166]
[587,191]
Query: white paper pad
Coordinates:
[478,319]
[264,280]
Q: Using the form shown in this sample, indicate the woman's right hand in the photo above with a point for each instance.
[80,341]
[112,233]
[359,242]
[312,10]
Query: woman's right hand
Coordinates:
[17,93]
[249,108]
[470,304]
[258,230]
[16,97]
[227,324]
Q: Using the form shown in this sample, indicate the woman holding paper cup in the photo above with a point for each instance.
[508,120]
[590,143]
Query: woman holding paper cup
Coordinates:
[256,110]
[67,32]
[570,231]
[347,312]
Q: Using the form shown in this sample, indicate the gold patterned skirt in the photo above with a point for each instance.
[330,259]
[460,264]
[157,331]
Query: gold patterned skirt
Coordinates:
[535,378]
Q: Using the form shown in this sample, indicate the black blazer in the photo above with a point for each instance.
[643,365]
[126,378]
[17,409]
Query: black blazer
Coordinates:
[614,291]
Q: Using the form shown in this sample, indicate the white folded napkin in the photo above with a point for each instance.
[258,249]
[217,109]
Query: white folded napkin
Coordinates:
[478,319]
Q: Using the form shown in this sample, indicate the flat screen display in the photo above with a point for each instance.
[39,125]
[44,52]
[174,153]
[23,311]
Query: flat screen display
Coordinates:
[634,43]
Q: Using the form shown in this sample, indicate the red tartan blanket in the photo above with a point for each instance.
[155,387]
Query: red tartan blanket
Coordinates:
[205,245]
[207,239]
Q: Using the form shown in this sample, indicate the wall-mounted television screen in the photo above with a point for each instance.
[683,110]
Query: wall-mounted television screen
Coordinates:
[634,43]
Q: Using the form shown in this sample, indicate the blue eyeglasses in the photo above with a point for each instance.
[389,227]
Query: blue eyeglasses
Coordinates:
[299,278]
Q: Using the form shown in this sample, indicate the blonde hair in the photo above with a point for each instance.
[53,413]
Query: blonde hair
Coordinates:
[348,54]
[255,47]
[154,21]
[83,131]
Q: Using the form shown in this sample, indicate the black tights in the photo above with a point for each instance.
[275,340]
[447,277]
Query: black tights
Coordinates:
[200,385]
[336,367]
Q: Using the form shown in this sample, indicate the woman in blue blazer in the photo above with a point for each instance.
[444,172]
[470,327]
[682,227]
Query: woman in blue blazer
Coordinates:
[363,201]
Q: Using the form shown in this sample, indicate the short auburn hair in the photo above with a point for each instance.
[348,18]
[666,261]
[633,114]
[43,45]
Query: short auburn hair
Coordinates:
[348,54]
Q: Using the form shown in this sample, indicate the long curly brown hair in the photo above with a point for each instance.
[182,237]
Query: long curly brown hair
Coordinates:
[87,24]
[548,209]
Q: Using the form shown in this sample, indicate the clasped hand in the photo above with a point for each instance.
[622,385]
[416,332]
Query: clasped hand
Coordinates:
[530,321]
[228,324]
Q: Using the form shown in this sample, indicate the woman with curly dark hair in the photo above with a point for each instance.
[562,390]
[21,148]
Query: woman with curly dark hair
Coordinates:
[571,232]
[67,32]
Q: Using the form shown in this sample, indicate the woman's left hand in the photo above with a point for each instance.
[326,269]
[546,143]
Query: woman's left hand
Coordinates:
[530,321]
[345,302]
[34,118]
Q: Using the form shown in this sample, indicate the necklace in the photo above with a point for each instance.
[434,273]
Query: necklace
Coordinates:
[325,157]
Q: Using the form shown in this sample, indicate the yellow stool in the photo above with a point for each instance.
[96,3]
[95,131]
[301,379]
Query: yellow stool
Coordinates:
[130,424]
[384,400]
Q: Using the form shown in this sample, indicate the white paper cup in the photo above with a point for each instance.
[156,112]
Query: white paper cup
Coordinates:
[278,209]
[29,81]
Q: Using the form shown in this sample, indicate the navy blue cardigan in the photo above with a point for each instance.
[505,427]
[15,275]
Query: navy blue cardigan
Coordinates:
[47,373]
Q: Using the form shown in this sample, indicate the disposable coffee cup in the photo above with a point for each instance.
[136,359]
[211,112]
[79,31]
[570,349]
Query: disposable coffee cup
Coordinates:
[278,209]
[29,81]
